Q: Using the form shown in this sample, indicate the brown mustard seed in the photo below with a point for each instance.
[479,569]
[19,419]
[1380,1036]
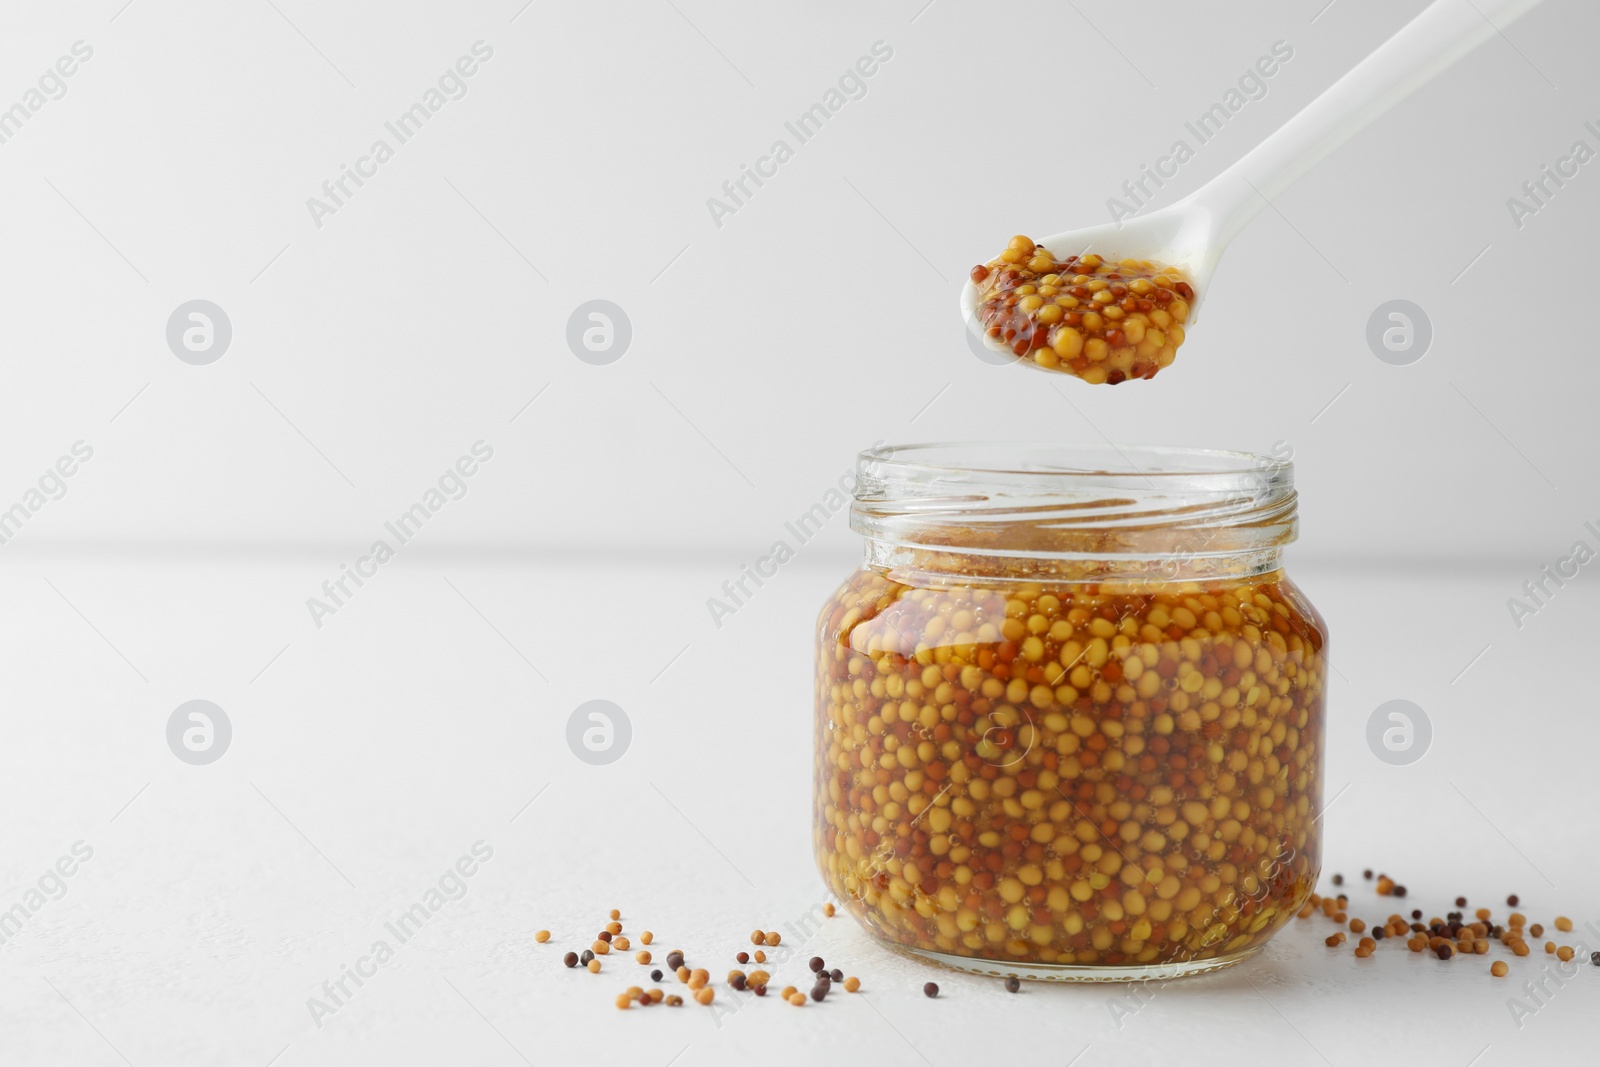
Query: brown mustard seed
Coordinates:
[1367,874]
[542,936]
[819,991]
[1338,879]
[1461,902]
[1013,984]
[1563,924]
[705,995]
[759,989]
[743,957]
[852,984]
[1498,968]
[594,966]
[1537,929]
[570,959]
[1511,901]
[735,974]
[816,964]
[1445,950]
[604,935]
[930,989]
[738,982]
[655,975]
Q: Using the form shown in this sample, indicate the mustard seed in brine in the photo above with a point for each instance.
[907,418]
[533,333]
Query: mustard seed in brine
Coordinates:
[1070,774]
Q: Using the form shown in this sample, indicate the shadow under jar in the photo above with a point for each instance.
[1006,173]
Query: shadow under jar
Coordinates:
[1069,711]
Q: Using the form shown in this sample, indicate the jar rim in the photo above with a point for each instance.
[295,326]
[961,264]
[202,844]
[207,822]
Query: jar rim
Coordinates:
[1084,501]
[1010,460]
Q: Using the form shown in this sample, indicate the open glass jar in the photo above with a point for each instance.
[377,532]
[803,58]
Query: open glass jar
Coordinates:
[1069,711]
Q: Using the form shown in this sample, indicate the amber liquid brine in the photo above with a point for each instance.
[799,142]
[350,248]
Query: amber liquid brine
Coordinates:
[1073,778]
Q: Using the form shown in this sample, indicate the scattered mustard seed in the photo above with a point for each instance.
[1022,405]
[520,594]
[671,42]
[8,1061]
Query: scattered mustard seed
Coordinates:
[1498,968]
[544,935]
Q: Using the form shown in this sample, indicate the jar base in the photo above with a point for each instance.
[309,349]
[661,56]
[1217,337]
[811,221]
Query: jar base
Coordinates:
[1072,972]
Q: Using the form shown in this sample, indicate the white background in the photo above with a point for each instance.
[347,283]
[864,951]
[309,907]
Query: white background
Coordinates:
[369,353]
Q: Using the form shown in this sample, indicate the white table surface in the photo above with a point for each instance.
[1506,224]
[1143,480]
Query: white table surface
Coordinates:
[374,752]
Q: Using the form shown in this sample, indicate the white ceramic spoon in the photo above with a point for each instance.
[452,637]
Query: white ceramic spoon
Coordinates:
[1192,233]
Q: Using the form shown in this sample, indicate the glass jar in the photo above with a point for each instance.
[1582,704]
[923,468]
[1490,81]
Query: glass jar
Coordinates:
[1069,711]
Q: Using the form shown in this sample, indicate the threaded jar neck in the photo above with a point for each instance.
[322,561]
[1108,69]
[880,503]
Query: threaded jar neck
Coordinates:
[1086,513]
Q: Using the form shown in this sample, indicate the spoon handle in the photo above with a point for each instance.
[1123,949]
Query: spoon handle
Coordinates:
[1444,32]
